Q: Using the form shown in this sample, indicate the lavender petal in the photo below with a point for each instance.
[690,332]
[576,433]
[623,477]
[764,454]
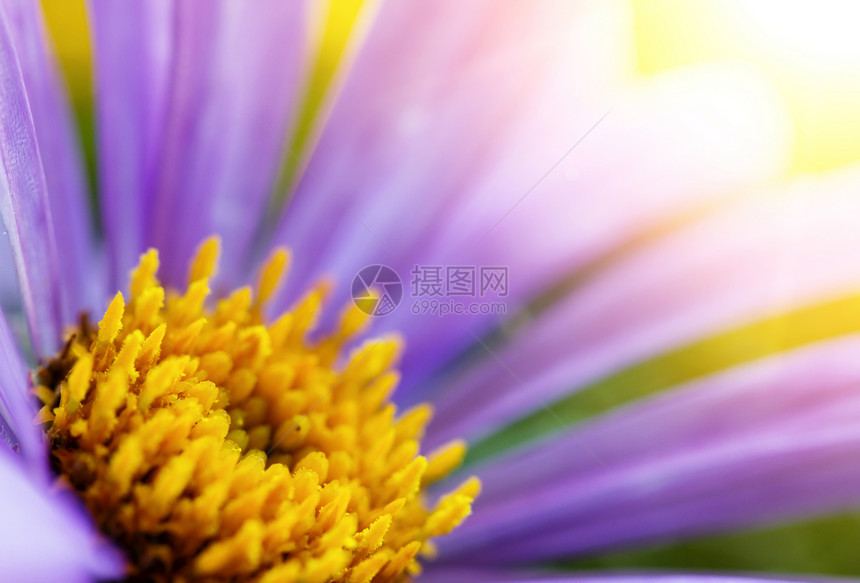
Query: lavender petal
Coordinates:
[493,575]
[46,535]
[194,111]
[791,247]
[769,441]
[80,276]
[17,429]
[425,150]
[24,204]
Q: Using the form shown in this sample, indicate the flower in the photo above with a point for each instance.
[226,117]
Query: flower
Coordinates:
[634,260]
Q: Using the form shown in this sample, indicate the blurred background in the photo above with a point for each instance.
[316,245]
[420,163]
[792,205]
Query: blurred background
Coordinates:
[810,52]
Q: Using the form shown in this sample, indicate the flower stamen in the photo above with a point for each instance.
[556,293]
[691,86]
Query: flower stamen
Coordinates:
[211,445]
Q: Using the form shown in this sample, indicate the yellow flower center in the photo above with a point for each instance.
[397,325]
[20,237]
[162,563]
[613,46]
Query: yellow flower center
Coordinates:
[211,445]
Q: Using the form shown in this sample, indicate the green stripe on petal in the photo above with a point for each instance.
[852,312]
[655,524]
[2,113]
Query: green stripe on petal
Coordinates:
[706,356]
[824,546]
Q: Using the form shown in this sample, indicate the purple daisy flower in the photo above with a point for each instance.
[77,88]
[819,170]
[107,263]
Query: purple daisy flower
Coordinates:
[596,288]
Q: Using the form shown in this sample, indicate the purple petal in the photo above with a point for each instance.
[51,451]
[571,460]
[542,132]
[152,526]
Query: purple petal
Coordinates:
[790,248]
[446,575]
[769,441]
[234,85]
[17,412]
[24,204]
[132,44]
[46,536]
[10,292]
[586,211]
[59,150]
[423,114]
[195,103]
[428,147]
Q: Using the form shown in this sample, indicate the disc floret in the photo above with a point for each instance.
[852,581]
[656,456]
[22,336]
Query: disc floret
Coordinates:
[213,445]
